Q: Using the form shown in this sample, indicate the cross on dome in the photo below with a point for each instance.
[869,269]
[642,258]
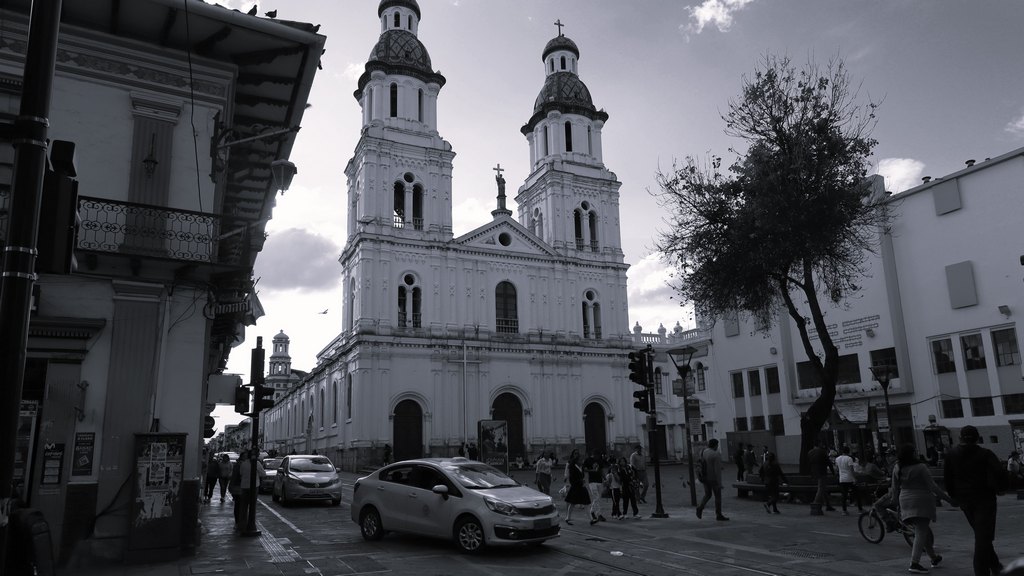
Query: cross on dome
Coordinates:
[559,24]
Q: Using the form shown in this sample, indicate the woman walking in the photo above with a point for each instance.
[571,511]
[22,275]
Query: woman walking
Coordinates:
[577,494]
[772,476]
[543,476]
[614,481]
[915,490]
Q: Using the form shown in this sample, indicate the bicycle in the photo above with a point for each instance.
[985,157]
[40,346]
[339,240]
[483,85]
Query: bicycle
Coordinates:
[874,524]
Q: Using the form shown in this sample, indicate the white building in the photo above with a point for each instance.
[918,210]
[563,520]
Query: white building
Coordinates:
[518,320]
[939,301]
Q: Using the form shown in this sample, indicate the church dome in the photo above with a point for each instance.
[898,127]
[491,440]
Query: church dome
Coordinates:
[399,52]
[560,42]
[410,4]
[565,89]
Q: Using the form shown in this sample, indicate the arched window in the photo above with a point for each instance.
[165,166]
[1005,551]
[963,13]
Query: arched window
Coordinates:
[545,140]
[334,402]
[563,62]
[351,303]
[398,211]
[699,372]
[348,397]
[398,20]
[568,136]
[538,223]
[552,62]
[369,102]
[577,220]
[394,100]
[592,216]
[322,408]
[506,314]
[410,303]
[590,140]
[417,207]
[410,22]
[419,105]
[591,316]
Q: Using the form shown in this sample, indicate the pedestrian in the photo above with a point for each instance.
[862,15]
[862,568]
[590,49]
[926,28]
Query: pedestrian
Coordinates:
[613,479]
[1014,470]
[772,476]
[212,477]
[462,450]
[712,478]
[387,454]
[225,475]
[738,459]
[472,451]
[749,459]
[848,479]
[915,490]
[628,478]
[639,484]
[595,484]
[543,473]
[764,455]
[820,466]
[574,478]
[974,476]
[239,487]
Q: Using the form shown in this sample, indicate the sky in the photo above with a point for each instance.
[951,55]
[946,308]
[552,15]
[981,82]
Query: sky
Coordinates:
[947,73]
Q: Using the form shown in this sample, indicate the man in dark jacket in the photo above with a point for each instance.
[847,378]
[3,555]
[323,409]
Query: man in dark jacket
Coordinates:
[974,476]
[820,466]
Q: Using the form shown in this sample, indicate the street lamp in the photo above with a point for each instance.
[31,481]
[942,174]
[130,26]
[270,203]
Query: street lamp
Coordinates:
[883,374]
[686,353]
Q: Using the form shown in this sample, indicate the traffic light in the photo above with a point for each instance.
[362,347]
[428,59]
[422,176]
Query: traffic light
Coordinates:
[208,425]
[242,400]
[638,373]
[59,221]
[262,398]
[638,368]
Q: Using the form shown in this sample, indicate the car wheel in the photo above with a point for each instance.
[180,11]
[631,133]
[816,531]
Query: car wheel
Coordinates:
[469,535]
[370,525]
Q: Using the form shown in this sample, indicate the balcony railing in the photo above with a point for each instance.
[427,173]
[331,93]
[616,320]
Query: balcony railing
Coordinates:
[146,230]
[506,325]
[417,320]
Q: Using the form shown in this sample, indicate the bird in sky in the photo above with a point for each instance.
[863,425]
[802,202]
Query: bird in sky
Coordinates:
[324,312]
[252,11]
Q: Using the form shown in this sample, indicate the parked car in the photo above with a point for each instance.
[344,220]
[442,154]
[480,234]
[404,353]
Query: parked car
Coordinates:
[306,477]
[269,473]
[467,501]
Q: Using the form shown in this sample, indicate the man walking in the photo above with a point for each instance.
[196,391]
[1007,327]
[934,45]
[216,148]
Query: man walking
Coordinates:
[974,476]
[737,457]
[711,460]
[636,460]
[595,482]
[820,466]
[848,479]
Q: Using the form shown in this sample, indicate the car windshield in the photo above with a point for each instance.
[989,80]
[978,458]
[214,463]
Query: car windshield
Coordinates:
[271,463]
[480,476]
[311,465]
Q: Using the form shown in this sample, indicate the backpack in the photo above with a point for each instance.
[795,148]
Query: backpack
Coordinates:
[702,469]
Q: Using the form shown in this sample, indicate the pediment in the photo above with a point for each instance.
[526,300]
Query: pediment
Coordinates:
[504,234]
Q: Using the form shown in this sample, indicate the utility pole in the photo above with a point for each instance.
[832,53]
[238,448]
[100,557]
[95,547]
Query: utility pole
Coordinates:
[18,278]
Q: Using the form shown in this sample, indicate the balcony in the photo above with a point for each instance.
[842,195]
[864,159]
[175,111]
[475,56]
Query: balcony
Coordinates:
[147,231]
[506,325]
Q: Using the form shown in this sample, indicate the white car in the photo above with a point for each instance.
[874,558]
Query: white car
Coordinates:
[467,501]
[305,477]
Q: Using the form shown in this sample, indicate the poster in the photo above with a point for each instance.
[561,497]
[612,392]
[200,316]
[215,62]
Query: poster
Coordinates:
[156,509]
[53,464]
[83,453]
[24,441]
[493,436]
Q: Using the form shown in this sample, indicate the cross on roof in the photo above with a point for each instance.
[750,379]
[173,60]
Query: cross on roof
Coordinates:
[559,24]
[498,169]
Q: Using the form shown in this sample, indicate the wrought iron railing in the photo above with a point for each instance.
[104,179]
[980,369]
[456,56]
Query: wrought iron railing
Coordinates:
[397,222]
[146,230]
[506,325]
[417,320]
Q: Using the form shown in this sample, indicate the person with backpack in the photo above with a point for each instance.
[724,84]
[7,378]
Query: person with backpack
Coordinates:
[974,476]
[772,476]
[709,472]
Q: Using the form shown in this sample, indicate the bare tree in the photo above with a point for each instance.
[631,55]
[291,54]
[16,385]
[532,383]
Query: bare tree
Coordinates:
[789,225]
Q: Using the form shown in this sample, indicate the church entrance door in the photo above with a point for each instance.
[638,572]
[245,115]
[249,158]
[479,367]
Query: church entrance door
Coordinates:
[507,407]
[408,430]
[594,432]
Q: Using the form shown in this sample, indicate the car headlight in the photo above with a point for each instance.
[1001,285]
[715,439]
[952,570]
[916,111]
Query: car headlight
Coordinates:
[501,507]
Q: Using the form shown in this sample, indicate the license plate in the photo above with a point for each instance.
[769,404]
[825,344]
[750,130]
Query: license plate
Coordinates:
[542,523]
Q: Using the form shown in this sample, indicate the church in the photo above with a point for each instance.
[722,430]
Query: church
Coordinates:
[521,320]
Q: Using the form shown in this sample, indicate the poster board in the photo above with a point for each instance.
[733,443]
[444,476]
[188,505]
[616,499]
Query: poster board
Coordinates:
[156,496]
[493,436]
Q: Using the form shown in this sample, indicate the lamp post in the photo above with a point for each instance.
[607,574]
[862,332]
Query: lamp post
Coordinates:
[883,374]
[686,352]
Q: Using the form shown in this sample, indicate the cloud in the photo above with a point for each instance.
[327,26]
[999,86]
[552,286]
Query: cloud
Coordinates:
[717,12]
[652,302]
[1016,126]
[294,259]
[900,173]
[353,70]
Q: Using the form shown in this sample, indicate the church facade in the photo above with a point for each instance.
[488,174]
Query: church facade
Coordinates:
[522,320]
